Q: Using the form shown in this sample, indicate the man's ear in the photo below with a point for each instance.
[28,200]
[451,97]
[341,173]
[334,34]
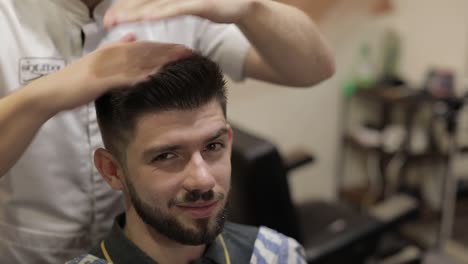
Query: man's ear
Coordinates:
[230,134]
[109,168]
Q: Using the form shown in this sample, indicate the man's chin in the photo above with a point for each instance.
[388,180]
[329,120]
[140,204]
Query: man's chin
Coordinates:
[203,230]
[200,236]
[200,225]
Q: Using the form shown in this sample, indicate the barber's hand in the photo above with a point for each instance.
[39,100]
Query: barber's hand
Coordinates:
[220,11]
[113,66]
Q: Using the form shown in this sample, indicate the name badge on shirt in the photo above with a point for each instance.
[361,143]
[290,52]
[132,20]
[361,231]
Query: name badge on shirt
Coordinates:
[34,68]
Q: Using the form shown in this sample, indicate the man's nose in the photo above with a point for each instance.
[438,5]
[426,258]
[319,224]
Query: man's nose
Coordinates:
[198,175]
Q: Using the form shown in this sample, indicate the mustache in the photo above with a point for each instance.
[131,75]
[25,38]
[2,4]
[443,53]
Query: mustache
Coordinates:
[195,195]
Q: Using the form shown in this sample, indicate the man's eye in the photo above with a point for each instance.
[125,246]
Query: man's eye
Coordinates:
[164,156]
[214,146]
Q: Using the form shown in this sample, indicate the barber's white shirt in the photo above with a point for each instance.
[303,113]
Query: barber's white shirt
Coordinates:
[53,203]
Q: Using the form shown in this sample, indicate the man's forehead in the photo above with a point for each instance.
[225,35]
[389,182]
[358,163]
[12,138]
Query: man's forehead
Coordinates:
[173,124]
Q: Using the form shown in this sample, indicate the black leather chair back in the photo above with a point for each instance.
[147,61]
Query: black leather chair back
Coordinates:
[259,188]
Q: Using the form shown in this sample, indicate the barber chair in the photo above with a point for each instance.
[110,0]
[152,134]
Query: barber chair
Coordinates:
[330,232]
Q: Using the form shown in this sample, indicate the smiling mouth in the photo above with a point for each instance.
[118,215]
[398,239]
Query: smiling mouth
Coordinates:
[199,210]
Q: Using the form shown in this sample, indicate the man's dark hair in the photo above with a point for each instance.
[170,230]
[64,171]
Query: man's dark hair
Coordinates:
[182,85]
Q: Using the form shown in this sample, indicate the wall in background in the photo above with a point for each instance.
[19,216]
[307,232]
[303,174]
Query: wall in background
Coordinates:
[433,32]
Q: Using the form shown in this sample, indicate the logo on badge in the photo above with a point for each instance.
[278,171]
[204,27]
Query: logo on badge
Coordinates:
[34,68]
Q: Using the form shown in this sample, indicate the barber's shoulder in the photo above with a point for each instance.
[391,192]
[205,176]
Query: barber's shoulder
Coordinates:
[87,259]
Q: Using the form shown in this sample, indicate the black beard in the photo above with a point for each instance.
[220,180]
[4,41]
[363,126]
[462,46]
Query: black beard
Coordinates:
[173,229]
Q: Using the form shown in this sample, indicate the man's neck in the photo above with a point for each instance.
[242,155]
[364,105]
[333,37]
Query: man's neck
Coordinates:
[158,247]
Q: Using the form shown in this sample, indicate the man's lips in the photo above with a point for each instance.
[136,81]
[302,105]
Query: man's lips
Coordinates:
[199,209]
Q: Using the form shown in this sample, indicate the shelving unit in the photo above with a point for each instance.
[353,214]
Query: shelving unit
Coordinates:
[388,99]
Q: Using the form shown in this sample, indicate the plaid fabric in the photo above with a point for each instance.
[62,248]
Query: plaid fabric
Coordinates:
[87,259]
[274,247]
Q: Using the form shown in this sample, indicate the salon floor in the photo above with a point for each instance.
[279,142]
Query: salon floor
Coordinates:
[424,231]
[460,230]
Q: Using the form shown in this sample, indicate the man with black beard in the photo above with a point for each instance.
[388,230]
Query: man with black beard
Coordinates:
[168,149]
[48,128]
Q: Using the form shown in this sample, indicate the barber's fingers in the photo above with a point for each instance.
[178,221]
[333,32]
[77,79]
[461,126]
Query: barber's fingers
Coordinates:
[219,11]
[129,37]
[172,8]
[117,10]
[129,63]
[143,10]
[150,55]
[153,58]
[120,65]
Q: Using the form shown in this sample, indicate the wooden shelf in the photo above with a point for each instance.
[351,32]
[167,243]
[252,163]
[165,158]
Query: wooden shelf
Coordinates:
[352,142]
[392,94]
[358,145]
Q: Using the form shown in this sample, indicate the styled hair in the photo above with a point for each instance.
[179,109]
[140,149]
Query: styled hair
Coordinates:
[186,84]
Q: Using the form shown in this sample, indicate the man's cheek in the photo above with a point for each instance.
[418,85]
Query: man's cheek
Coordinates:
[224,171]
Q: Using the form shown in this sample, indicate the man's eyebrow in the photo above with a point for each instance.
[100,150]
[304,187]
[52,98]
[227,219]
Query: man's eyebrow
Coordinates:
[147,154]
[150,152]
[219,133]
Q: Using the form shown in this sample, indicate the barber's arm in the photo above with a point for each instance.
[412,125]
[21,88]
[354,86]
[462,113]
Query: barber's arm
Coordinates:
[287,46]
[23,112]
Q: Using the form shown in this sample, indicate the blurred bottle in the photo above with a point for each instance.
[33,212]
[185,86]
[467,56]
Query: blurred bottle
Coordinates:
[364,71]
[391,51]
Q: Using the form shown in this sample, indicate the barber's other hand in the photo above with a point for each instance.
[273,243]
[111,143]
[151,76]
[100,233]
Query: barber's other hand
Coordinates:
[110,67]
[220,11]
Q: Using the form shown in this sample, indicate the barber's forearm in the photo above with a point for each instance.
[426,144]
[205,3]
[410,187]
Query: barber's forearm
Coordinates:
[22,113]
[288,41]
